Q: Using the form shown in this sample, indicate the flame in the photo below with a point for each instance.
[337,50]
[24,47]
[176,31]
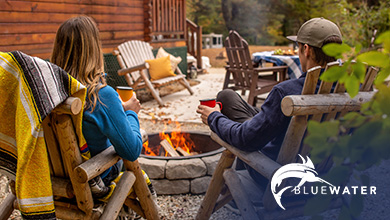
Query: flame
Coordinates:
[177,138]
[148,151]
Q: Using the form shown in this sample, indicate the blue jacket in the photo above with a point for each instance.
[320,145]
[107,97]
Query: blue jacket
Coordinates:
[110,125]
[266,130]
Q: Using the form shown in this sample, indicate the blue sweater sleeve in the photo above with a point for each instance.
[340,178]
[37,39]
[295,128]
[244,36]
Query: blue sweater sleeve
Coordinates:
[120,127]
[255,133]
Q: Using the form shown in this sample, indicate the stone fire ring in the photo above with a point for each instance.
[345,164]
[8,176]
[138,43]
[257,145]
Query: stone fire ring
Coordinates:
[182,175]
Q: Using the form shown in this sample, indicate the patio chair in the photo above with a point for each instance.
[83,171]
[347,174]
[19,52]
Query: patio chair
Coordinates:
[244,75]
[68,169]
[227,183]
[132,57]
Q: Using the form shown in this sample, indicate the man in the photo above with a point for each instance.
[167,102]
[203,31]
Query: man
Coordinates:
[249,128]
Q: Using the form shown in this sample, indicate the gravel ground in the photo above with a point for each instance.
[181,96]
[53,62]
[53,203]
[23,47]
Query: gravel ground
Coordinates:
[171,207]
[186,206]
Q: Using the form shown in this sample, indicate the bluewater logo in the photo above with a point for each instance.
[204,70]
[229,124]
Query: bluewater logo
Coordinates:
[307,173]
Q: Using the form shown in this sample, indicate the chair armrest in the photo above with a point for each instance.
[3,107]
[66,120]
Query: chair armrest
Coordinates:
[96,165]
[101,162]
[124,71]
[255,159]
[323,103]
[70,106]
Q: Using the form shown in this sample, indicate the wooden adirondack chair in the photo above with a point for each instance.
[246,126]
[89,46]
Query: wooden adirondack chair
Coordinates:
[70,175]
[226,184]
[245,76]
[131,56]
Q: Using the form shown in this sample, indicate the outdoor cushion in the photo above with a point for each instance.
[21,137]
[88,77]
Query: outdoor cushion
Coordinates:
[174,60]
[160,68]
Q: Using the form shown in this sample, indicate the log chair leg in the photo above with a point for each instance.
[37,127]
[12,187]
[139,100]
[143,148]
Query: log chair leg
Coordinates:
[148,205]
[215,186]
[151,88]
[241,198]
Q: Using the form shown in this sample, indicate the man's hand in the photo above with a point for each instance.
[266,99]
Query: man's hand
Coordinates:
[132,104]
[205,111]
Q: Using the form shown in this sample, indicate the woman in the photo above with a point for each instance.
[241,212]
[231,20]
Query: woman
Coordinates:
[107,120]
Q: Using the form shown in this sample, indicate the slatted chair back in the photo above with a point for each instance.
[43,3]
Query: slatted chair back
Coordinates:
[327,102]
[240,63]
[70,173]
[245,76]
[131,57]
[134,53]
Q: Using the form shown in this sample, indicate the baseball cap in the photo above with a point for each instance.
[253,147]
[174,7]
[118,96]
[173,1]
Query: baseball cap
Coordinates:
[314,31]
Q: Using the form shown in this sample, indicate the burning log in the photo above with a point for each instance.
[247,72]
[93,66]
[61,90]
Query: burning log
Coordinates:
[168,148]
[182,151]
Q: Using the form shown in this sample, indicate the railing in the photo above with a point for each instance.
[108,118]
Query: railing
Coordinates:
[168,17]
[165,20]
[194,41]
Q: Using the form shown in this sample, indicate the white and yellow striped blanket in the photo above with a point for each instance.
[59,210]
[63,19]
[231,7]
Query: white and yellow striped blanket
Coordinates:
[30,88]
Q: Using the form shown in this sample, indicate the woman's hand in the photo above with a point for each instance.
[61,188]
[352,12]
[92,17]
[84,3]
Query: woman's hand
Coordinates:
[205,111]
[132,104]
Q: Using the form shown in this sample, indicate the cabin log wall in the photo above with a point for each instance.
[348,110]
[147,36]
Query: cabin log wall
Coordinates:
[30,25]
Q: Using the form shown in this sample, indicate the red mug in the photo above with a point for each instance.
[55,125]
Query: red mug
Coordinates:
[208,102]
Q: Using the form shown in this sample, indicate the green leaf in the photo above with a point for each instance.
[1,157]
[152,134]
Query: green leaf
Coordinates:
[359,70]
[352,86]
[382,76]
[374,58]
[353,119]
[384,39]
[317,217]
[356,154]
[381,146]
[383,99]
[365,179]
[337,175]
[317,204]
[358,48]
[364,134]
[345,214]
[370,158]
[333,74]
[356,206]
[335,50]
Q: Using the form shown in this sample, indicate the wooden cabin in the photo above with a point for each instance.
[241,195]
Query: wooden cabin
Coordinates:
[30,25]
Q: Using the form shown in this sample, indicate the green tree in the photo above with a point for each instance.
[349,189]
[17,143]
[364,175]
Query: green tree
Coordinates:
[370,141]
[208,14]
[358,20]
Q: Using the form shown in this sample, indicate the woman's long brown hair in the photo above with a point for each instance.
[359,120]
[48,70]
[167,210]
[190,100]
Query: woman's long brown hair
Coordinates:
[77,49]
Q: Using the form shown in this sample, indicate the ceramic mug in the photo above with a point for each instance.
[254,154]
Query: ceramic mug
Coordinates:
[208,102]
[124,92]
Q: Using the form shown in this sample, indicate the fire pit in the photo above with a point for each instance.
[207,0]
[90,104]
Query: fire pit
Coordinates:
[173,171]
[199,144]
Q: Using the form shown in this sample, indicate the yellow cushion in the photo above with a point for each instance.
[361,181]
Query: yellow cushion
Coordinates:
[160,68]
[174,60]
